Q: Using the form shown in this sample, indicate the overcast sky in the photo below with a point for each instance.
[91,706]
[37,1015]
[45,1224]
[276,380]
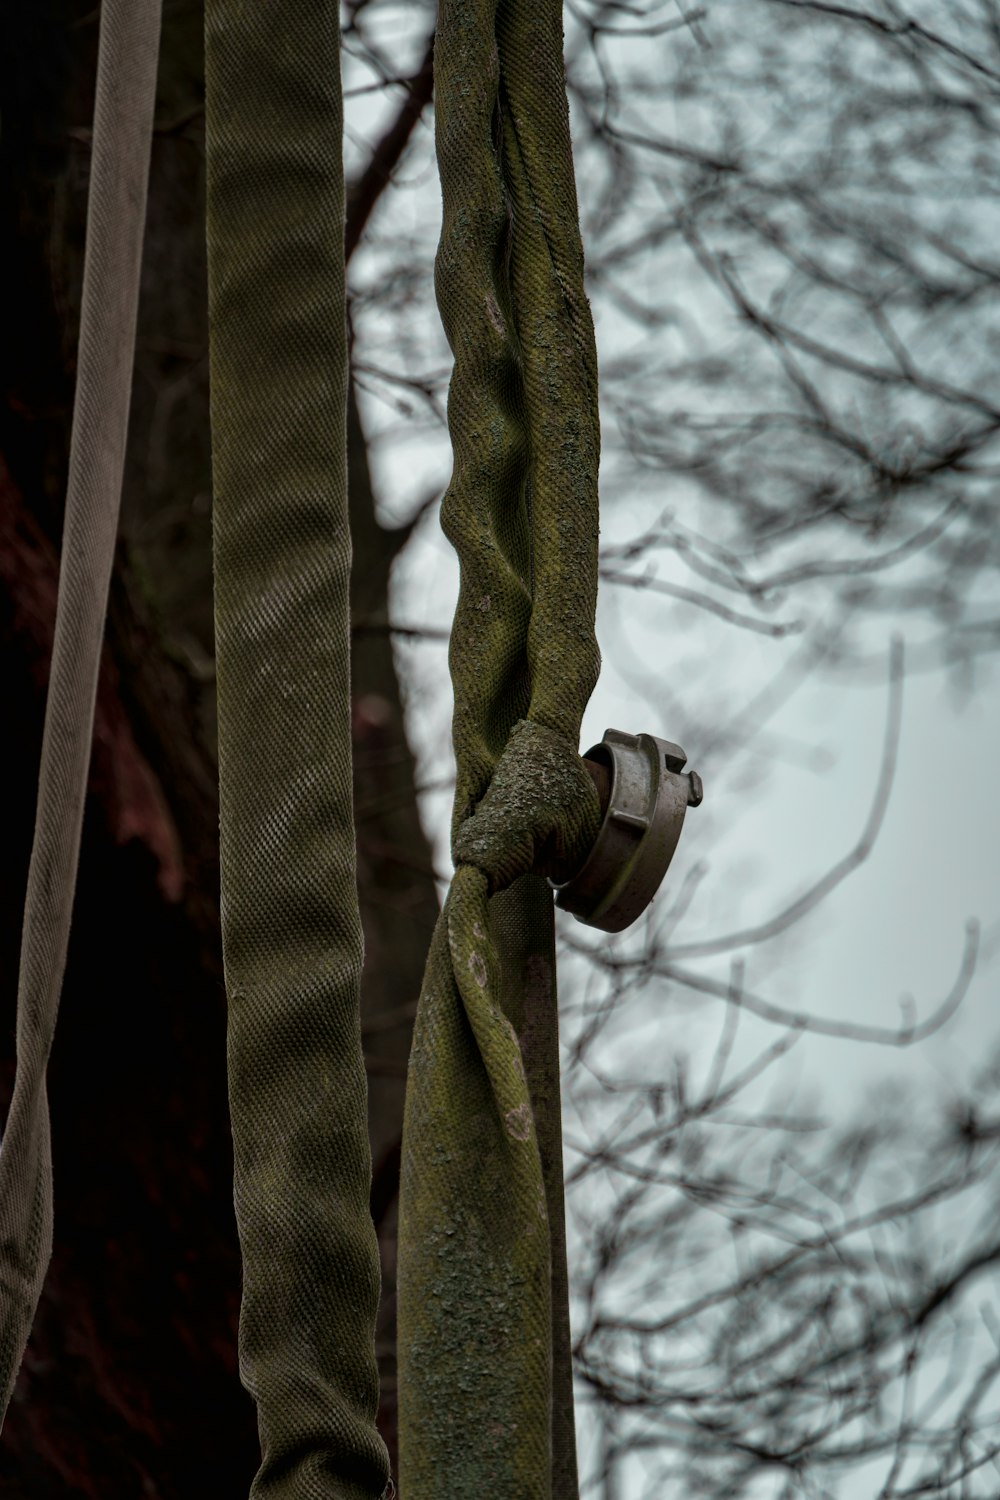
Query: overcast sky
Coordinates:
[888,943]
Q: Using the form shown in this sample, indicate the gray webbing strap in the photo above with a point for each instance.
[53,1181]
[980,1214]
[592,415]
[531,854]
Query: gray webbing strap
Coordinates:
[123,121]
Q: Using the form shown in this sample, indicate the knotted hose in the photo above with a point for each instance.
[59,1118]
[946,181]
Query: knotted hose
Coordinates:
[485,1394]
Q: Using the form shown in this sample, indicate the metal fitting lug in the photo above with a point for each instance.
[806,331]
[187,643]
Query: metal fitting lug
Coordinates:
[644,797]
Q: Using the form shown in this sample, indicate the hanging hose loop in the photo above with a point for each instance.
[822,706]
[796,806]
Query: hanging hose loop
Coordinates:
[291,929]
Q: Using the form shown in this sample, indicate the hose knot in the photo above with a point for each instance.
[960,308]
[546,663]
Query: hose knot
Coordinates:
[540,814]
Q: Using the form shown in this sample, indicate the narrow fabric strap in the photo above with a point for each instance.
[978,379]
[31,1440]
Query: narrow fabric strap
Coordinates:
[484,1368]
[116,213]
[290,923]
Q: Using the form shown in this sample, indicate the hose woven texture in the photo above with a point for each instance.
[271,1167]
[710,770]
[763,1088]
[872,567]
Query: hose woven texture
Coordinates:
[116,213]
[485,1395]
[291,929]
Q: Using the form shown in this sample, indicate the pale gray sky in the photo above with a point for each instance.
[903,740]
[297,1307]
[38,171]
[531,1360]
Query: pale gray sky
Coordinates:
[776,816]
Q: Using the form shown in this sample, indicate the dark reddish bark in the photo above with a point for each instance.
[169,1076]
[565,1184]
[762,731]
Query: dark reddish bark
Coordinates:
[135,1336]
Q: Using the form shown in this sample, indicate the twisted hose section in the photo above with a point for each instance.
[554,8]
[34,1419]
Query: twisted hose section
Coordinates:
[485,1377]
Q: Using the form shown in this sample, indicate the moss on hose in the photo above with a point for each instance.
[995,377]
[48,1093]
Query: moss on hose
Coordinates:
[485,1385]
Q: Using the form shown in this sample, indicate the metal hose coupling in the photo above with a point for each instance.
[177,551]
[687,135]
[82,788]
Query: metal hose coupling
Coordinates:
[644,793]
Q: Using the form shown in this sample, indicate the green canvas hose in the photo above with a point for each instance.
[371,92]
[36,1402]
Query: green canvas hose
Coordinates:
[485,1392]
[485,1387]
[290,924]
